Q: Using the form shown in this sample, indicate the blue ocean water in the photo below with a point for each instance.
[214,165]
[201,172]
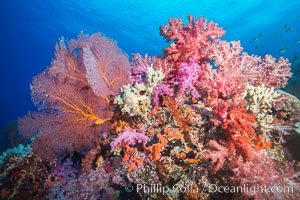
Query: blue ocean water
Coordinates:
[30,29]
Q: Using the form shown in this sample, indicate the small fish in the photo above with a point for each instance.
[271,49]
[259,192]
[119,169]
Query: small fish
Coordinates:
[261,34]
[255,39]
[275,34]
[289,29]
[283,50]
[285,25]
[297,41]
[295,53]
[296,58]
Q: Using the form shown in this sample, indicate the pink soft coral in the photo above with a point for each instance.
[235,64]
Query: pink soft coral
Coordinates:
[259,172]
[128,137]
[272,73]
[236,69]
[217,156]
[232,69]
[263,173]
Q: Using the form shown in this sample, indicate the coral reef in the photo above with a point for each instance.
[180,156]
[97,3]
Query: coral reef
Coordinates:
[23,177]
[205,120]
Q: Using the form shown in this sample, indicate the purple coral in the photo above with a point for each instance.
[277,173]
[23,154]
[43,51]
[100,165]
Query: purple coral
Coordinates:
[139,74]
[128,137]
[187,76]
[159,91]
[66,170]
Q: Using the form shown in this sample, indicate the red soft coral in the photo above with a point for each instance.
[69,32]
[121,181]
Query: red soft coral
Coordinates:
[240,123]
[240,131]
[193,39]
[73,95]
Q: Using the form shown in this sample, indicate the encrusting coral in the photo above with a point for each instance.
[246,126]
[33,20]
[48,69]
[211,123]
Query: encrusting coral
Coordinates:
[204,113]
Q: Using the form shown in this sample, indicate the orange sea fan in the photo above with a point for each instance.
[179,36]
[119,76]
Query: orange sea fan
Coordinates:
[74,94]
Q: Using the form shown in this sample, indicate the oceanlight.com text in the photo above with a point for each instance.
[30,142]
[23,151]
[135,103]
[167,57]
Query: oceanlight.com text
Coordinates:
[212,188]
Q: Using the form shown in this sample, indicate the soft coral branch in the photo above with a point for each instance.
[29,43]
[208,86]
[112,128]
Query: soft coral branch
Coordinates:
[217,156]
[193,39]
[240,131]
